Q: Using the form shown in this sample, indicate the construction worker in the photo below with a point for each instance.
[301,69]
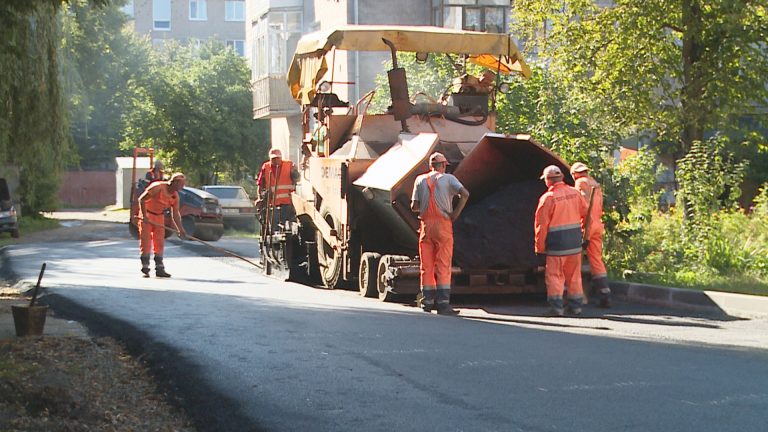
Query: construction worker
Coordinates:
[156,173]
[153,203]
[432,199]
[594,238]
[557,226]
[276,180]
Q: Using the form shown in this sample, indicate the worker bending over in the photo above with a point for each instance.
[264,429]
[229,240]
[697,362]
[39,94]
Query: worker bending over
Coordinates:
[558,223]
[594,238]
[432,199]
[276,180]
[156,199]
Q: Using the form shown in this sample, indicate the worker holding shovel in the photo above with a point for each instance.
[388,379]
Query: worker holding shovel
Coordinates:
[156,199]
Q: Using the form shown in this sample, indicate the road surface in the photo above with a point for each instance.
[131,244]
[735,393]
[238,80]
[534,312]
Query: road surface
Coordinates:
[251,353]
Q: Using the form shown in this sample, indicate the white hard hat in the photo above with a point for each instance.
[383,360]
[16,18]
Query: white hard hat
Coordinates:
[551,172]
[579,167]
[437,157]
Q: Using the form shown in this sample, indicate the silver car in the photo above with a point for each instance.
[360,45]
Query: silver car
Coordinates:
[238,208]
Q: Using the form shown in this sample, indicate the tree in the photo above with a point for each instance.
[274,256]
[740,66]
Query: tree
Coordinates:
[33,115]
[195,107]
[674,67]
[100,56]
[33,118]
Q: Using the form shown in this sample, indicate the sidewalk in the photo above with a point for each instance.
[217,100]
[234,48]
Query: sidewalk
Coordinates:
[736,305]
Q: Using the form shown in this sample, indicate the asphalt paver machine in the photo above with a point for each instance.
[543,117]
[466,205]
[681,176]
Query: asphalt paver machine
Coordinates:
[354,227]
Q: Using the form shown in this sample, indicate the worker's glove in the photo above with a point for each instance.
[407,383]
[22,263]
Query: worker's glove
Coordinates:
[585,244]
[183,235]
[541,259]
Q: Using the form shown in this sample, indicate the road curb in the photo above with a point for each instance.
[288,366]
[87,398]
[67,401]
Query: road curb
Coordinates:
[737,305]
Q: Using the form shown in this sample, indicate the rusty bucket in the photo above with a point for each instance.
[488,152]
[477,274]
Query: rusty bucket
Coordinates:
[29,320]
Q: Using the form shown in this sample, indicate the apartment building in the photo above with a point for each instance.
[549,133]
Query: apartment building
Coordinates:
[190,21]
[273,28]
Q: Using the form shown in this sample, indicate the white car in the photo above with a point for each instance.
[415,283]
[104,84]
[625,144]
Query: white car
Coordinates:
[238,208]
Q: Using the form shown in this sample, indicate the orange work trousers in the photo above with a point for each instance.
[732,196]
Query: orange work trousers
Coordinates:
[561,271]
[595,257]
[152,235]
[435,256]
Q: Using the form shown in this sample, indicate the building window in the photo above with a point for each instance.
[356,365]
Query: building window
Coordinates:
[234,10]
[490,16]
[238,46]
[198,10]
[161,14]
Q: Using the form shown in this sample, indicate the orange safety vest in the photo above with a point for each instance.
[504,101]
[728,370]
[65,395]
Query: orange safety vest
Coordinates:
[281,189]
[559,219]
[157,204]
[585,186]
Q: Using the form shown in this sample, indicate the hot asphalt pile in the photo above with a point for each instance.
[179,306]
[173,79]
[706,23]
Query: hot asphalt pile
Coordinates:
[497,232]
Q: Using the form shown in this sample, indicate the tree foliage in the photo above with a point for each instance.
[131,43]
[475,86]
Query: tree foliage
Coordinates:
[195,106]
[675,67]
[101,56]
[33,119]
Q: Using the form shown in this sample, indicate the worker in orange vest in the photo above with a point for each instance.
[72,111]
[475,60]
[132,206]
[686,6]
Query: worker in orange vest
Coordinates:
[276,180]
[153,202]
[594,238]
[156,173]
[432,199]
[557,226]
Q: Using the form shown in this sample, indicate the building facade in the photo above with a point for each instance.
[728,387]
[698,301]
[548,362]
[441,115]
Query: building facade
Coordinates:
[190,21]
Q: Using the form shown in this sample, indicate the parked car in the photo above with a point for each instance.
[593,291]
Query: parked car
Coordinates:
[8,218]
[239,210]
[201,214]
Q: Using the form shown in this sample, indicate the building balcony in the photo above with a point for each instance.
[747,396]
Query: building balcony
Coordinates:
[271,98]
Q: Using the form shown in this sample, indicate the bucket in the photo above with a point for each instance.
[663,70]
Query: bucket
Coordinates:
[29,320]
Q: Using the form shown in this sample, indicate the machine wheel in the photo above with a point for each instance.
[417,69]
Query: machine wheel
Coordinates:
[368,274]
[382,281]
[329,259]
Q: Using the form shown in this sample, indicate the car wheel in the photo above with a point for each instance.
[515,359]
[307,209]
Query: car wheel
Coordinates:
[15,233]
[188,223]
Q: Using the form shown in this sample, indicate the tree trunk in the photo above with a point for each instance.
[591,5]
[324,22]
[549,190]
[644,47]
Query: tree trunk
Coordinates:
[693,112]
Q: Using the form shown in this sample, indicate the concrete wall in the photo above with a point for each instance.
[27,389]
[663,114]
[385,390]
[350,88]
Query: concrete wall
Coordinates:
[87,189]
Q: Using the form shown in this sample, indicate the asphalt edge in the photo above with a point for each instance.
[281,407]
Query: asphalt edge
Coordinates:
[731,304]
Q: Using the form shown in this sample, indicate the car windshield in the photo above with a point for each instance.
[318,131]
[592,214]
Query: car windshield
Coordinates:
[228,192]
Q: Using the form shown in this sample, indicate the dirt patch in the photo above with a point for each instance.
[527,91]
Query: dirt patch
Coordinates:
[75,384]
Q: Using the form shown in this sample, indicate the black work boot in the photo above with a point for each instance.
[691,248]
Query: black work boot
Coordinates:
[445,309]
[145,265]
[160,268]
